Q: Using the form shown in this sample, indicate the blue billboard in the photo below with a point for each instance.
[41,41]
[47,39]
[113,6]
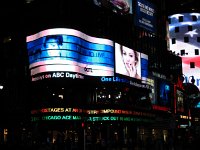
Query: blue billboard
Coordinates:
[70,50]
[145,15]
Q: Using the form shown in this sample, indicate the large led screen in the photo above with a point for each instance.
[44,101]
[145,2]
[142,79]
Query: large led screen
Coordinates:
[161,94]
[121,7]
[130,63]
[164,93]
[145,15]
[184,36]
[64,50]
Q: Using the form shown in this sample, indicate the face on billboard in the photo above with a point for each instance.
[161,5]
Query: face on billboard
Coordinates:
[184,41]
[68,53]
[127,61]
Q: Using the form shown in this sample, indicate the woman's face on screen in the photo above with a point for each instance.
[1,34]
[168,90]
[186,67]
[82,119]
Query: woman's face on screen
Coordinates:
[128,57]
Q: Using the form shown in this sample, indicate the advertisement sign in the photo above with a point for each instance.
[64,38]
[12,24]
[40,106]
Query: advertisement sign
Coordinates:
[121,7]
[185,42]
[164,96]
[145,15]
[68,53]
[127,61]
[67,50]
[130,63]
[161,95]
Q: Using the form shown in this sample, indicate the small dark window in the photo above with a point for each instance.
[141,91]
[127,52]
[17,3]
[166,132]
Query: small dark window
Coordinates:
[180,19]
[174,41]
[196,51]
[176,29]
[198,39]
[182,52]
[194,18]
[186,39]
[192,65]
[189,28]
[169,20]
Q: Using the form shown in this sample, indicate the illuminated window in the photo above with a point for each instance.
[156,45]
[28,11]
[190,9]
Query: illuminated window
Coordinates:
[198,106]
[5,135]
[110,96]
[60,96]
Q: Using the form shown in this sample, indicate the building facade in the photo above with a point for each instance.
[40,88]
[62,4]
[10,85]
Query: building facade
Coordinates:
[80,88]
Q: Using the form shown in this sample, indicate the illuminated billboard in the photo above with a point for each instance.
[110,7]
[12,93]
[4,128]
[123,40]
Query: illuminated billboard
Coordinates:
[127,61]
[67,50]
[68,53]
[164,93]
[145,15]
[76,114]
[161,95]
[130,63]
[184,36]
[121,7]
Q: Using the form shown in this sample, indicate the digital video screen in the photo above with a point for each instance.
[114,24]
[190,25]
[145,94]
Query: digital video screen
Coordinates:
[184,37]
[70,51]
[127,61]
[164,93]
[130,63]
[122,7]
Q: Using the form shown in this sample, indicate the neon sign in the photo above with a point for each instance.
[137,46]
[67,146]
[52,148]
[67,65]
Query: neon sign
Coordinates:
[61,110]
[114,79]
[94,118]
[60,117]
[116,118]
[157,107]
[91,112]
[49,75]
